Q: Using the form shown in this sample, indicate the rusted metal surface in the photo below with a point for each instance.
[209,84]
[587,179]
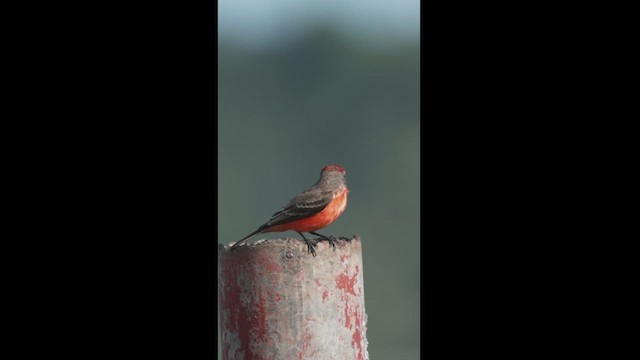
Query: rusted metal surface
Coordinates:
[279,302]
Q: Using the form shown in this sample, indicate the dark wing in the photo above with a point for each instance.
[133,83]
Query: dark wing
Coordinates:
[303,205]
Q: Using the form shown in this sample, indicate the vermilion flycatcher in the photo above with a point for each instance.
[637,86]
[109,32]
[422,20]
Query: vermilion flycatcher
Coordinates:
[312,209]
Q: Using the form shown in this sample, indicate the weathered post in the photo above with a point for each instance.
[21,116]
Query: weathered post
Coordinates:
[279,302]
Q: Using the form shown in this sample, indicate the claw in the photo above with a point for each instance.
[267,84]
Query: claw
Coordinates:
[311,249]
[331,239]
[310,245]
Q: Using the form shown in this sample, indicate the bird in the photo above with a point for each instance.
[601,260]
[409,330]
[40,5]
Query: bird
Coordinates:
[311,210]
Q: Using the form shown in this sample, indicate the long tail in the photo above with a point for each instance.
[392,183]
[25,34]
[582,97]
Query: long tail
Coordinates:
[258,231]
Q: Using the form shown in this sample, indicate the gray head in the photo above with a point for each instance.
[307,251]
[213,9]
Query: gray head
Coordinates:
[333,176]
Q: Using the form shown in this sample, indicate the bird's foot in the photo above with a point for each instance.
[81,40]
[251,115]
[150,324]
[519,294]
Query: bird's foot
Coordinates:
[331,239]
[310,246]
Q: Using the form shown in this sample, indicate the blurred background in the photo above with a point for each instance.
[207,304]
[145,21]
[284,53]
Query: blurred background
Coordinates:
[302,84]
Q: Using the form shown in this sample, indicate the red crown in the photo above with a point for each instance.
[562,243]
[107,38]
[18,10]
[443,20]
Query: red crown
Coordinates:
[333,167]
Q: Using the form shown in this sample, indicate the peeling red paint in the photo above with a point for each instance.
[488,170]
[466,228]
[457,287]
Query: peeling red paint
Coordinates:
[259,313]
[357,339]
[271,265]
[357,336]
[347,323]
[346,283]
[274,306]
[247,320]
[305,340]
[235,321]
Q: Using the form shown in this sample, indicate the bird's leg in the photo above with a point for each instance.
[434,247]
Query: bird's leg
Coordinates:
[310,244]
[332,240]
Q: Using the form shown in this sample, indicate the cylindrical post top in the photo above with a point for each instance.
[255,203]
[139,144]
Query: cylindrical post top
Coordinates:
[279,302]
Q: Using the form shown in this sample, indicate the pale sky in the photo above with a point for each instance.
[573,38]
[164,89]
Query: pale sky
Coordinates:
[255,22]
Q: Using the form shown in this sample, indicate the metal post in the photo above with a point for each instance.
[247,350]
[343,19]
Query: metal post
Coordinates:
[279,302]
